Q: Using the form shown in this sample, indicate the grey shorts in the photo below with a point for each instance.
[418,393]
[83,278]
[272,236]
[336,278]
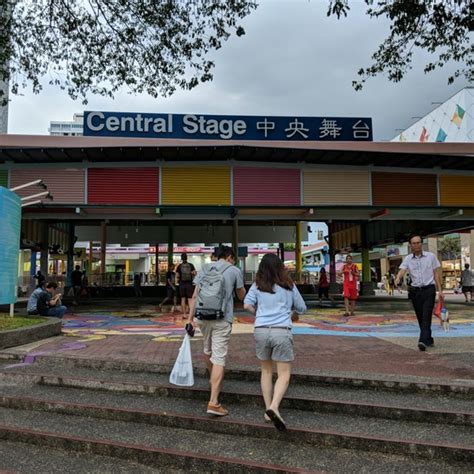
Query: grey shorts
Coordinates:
[274,344]
[216,336]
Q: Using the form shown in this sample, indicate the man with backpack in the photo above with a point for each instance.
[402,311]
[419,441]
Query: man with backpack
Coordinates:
[213,306]
[185,274]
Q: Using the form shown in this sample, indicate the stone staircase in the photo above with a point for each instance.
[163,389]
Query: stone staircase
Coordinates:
[73,415]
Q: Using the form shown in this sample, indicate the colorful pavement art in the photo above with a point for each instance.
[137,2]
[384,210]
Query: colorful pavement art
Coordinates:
[96,324]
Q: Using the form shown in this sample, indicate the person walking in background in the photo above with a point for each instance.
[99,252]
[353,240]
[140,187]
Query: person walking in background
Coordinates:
[76,281]
[424,269]
[272,298]
[137,284]
[466,282]
[185,273]
[323,286]
[350,274]
[171,294]
[389,282]
[40,279]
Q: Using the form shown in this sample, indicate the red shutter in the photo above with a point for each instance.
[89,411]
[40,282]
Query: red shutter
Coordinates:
[264,186]
[122,186]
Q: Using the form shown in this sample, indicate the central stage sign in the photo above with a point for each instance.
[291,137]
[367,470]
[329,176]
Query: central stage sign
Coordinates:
[220,127]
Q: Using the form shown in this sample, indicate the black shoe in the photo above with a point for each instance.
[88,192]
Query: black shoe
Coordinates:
[422,346]
[431,344]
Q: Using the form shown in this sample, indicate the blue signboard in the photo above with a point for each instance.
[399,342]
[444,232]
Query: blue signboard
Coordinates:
[10,228]
[223,127]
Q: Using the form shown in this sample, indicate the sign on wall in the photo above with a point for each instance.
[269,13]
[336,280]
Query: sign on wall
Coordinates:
[223,127]
[10,217]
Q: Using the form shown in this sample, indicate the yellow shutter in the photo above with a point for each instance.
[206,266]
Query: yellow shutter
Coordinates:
[198,186]
[457,190]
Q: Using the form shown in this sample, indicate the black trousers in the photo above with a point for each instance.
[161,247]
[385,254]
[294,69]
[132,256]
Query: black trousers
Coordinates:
[423,300]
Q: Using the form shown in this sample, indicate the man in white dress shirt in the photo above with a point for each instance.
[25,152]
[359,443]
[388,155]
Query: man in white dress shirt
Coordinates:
[424,269]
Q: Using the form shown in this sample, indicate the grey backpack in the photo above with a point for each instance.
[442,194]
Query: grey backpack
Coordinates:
[211,298]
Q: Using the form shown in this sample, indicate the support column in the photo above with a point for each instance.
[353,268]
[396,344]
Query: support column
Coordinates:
[45,249]
[91,259]
[32,281]
[433,245]
[298,263]
[170,243]
[103,248]
[235,239]
[366,284]
[282,252]
[465,248]
[157,263]
[70,254]
[333,286]
[471,250]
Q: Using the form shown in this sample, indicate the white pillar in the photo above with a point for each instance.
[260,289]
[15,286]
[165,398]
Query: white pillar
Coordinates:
[433,245]
[471,250]
[465,248]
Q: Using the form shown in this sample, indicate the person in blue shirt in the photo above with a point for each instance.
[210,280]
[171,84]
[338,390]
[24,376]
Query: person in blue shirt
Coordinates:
[276,303]
[31,306]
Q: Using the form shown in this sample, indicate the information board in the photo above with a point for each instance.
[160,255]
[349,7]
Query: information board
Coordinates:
[10,228]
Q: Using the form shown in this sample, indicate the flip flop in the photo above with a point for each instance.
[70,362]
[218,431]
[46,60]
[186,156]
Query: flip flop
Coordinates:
[276,420]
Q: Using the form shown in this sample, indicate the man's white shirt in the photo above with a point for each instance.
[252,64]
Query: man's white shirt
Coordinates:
[421,268]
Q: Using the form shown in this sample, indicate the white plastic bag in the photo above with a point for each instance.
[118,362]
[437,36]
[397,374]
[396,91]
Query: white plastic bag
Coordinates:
[182,373]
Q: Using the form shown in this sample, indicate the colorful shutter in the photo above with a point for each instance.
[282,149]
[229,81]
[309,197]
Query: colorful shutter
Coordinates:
[66,185]
[123,186]
[404,189]
[336,187]
[267,186]
[196,186]
[4,178]
[456,190]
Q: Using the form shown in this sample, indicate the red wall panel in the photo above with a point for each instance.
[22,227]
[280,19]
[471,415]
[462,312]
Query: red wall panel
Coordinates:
[404,189]
[264,186]
[123,186]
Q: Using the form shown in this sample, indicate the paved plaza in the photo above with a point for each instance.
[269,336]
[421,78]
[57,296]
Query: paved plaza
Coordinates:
[381,339]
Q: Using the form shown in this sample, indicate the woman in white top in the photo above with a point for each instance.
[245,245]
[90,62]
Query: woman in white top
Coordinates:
[273,298]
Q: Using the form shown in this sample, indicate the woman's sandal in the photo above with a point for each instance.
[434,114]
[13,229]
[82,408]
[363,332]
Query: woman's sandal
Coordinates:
[276,420]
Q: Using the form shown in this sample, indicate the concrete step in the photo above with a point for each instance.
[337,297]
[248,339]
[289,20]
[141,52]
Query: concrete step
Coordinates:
[451,442]
[193,449]
[386,382]
[423,407]
[27,458]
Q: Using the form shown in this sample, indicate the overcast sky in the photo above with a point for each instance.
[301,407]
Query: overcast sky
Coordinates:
[292,61]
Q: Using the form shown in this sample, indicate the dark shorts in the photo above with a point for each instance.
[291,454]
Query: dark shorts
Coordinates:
[323,291]
[186,289]
[467,289]
[170,293]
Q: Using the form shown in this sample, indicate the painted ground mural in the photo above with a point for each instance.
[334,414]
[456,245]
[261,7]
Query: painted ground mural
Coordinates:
[146,320]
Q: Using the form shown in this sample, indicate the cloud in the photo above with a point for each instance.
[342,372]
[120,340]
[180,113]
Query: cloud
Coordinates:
[293,60]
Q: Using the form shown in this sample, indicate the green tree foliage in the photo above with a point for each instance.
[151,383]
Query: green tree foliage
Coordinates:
[99,46]
[450,247]
[441,27]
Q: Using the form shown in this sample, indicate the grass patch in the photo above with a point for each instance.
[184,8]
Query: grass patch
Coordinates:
[16,322]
